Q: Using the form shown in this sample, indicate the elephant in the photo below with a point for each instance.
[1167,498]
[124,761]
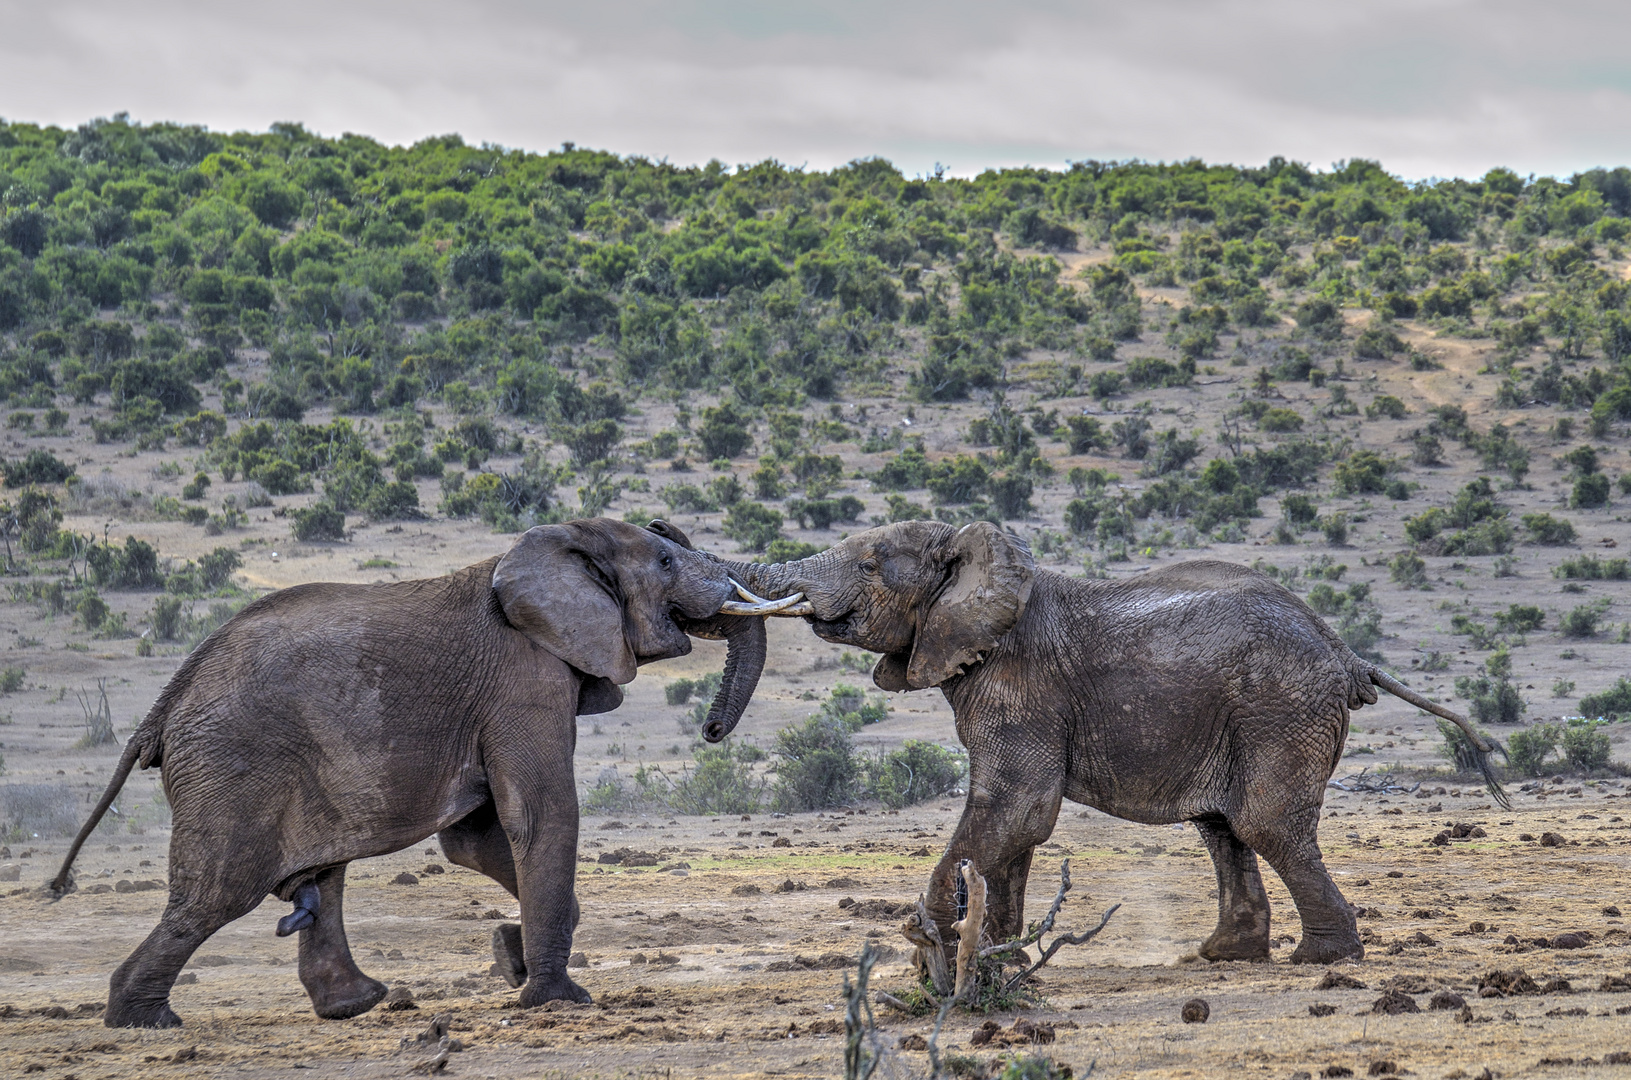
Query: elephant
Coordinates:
[1202,691]
[331,722]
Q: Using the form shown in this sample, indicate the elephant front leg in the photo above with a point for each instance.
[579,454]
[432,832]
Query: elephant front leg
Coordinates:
[337,987]
[478,841]
[998,833]
[537,808]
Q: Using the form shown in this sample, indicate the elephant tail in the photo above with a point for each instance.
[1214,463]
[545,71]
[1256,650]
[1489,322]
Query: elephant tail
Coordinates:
[1482,745]
[63,882]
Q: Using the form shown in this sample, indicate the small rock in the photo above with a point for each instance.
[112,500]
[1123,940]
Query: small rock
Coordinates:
[1552,839]
[1336,1070]
[1393,874]
[1337,980]
[913,1041]
[1195,1011]
[400,999]
[434,868]
[781,841]
[578,960]
[1446,999]
[1612,911]
[187,978]
[11,872]
[189,1053]
[1383,1068]
[1569,941]
[405,878]
[746,890]
[1322,1009]
[790,886]
[1394,1003]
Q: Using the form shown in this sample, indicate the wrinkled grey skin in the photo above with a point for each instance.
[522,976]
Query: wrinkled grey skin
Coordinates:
[1202,692]
[330,722]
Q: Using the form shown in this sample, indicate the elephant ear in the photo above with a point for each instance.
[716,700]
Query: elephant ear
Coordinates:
[988,582]
[555,591]
[670,531]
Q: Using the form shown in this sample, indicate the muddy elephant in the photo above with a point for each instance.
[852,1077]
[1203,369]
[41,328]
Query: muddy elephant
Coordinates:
[1201,692]
[328,722]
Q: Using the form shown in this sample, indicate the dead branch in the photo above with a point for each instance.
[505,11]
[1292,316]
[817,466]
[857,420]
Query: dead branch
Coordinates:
[968,928]
[1040,928]
[892,1002]
[1060,942]
[921,931]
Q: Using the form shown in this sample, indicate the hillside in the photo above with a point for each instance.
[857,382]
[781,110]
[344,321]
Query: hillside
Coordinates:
[237,362]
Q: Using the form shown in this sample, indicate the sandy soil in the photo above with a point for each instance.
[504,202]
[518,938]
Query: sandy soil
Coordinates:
[695,975]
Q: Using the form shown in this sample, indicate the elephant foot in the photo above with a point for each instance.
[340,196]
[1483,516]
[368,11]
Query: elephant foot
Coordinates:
[1316,949]
[1224,946]
[343,1000]
[543,988]
[509,963]
[139,1014]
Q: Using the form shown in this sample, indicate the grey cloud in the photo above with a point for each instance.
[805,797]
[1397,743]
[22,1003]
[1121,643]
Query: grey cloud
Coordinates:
[1430,87]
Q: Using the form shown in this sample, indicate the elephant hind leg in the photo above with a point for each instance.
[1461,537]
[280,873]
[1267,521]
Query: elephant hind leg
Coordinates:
[139,991]
[1329,930]
[337,987]
[1243,906]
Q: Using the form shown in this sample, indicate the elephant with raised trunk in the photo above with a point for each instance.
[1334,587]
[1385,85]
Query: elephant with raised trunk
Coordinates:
[1202,692]
[327,723]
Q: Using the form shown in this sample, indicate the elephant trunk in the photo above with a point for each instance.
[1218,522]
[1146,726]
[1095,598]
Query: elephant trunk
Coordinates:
[744,661]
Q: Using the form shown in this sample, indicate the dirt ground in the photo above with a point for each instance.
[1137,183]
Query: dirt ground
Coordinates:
[696,974]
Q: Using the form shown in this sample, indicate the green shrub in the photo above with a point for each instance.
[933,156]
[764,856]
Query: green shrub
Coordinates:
[1586,745]
[11,680]
[752,525]
[135,566]
[1386,405]
[722,781]
[782,549]
[916,772]
[1335,528]
[1591,568]
[1546,529]
[1581,622]
[1589,492]
[1408,569]
[38,467]
[1491,700]
[818,769]
[1612,704]
[1528,749]
[92,611]
[320,521]
[1299,510]
[166,618]
[1364,472]
[1519,619]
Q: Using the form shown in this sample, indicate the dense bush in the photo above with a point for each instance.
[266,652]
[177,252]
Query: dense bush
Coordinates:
[1612,704]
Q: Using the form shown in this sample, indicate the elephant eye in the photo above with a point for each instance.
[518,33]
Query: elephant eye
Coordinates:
[667,562]
[869,567]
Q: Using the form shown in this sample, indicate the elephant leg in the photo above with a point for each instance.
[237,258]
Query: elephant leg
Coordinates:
[997,834]
[337,987]
[478,841]
[1287,842]
[1243,906]
[536,803]
[139,991]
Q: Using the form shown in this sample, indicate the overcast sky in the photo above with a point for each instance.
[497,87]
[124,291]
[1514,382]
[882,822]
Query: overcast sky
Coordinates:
[1429,87]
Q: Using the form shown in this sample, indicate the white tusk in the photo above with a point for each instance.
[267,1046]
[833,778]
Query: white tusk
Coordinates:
[803,608]
[758,605]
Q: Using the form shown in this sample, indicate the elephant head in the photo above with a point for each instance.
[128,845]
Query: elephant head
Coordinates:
[606,597]
[931,598]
